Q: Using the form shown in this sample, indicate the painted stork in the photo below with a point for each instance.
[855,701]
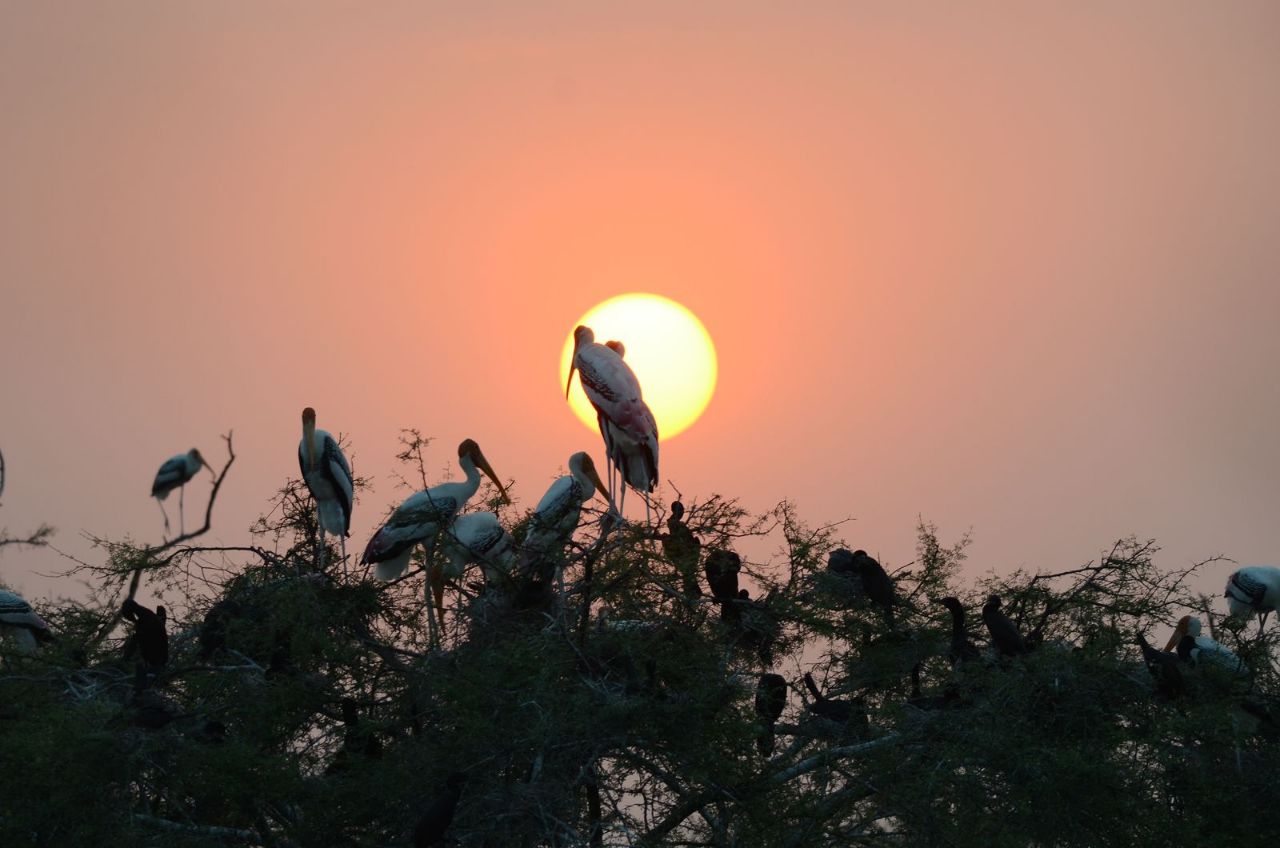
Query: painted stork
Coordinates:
[431,828]
[557,514]
[176,472]
[149,631]
[1254,589]
[1198,650]
[1164,667]
[771,700]
[424,514]
[480,538]
[962,648]
[328,477]
[1004,633]
[683,550]
[626,423]
[20,621]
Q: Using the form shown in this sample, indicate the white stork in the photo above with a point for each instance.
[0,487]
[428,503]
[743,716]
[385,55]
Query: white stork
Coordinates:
[20,621]
[423,515]
[328,477]
[557,514]
[1196,649]
[480,538]
[176,472]
[626,423]
[1254,589]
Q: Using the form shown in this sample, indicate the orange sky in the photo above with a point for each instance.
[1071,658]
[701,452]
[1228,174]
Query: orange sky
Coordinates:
[1007,268]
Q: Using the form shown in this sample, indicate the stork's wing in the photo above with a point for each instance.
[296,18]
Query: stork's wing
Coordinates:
[173,472]
[607,380]
[339,471]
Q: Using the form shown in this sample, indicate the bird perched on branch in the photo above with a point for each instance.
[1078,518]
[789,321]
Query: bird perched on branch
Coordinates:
[149,631]
[556,517]
[1254,589]
[480,538]
[328,477]
[962,648]
[838,710]
[433,825]
[1164,667]
[21,622]
[875,583]
[176,472]
[1203,651]
[627,425]
[1004,633]
[771,700]
[683,549]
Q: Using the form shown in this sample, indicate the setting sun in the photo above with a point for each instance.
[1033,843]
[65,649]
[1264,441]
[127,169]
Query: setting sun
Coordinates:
[667,347]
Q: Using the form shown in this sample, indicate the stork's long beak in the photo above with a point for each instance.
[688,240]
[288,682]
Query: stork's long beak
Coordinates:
[600,487]
[208,466]
[488,469]
[573,366]
[1178,632]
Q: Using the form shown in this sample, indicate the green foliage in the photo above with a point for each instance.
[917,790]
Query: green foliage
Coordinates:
[620,712]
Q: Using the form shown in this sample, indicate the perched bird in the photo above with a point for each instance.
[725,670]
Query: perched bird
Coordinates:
[1199,650]
[176,472]
[424,514]
[1004,633]
[627,424]
[556,517]
[838,710]
[149,630]
[1254,589]
[877,585]
[771,700]
[21,622]
[480,538]
[1164,667]
[433,825]
[683,550]
[721,569]
[328,477]
[962,648]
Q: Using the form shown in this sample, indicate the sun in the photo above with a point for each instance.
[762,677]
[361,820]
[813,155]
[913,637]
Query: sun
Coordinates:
[667,347]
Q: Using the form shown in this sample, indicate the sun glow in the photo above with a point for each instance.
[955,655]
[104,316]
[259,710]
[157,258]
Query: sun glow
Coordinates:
[667,347]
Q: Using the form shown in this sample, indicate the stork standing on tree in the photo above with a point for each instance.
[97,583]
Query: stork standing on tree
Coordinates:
[556,516]
[176,472]
[627,424]
[1254,589]
[328,477]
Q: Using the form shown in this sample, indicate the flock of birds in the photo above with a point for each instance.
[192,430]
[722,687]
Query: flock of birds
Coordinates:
[627,426]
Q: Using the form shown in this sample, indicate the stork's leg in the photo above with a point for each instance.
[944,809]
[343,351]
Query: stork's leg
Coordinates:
[319,540]
[342,540]
[165,513]
[182,517]
[1262,623]
[622,499]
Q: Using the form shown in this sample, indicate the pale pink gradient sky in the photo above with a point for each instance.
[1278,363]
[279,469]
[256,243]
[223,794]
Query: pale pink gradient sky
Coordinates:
[1008,268]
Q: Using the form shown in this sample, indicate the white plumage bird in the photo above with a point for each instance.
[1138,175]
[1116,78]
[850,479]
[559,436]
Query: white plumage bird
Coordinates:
[557,514]
[1254,589]
[20,621]
[1198,649]
[328,477]
[480,538]
[626,423]
[176,472]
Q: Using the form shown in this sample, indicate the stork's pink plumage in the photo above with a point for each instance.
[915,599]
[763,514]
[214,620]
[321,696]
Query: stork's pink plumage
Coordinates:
[626,423]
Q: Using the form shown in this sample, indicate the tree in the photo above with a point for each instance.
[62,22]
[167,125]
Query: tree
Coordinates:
[309,707]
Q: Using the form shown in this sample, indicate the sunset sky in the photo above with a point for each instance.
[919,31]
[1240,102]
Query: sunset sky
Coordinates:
[1007,268]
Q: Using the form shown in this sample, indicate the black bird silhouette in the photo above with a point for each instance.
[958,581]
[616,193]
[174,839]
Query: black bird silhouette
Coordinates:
[875,583]
[683,549]
[721,569]
[839,710]
[431,828]
[771,700]
[150,632]
[1164,667]
[1004,633]
[962,648]
[359,742]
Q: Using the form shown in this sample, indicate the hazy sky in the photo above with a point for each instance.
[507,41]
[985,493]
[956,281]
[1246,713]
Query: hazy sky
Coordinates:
[1013,269]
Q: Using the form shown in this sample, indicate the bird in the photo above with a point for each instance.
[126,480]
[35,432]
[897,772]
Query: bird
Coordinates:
[1254,589]
[328,477]
[434,823]
[176,472]
[962,648]
[358,741]
[721,569]
[149,629]
[558,512]
[877,585]
[1004,633]
[423,514]
[23,623]
[1197,650]
[480,538]
[1164,667]
[626,423]
[839,710]
[683,549]
[771,700]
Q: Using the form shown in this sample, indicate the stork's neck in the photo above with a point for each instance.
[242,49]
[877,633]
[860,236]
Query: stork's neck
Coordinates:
[309,442]
[957,621]
[472,483]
